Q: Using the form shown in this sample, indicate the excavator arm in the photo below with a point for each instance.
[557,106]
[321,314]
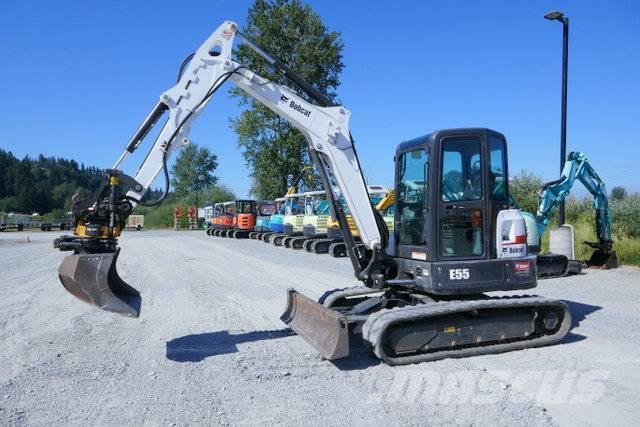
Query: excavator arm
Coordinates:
[577,168]
[90,273]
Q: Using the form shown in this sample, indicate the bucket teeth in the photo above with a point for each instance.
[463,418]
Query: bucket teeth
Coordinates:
[93,278]
[325,329]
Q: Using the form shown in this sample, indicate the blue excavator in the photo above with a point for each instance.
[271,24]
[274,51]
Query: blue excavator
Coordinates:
[576,168]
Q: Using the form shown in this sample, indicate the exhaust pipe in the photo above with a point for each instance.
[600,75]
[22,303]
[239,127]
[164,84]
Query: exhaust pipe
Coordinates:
[93,278]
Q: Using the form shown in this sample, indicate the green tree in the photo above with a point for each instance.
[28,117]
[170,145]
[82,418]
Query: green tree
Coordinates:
[618,193]
[218,193]
[193,171]
[274,151]
[23,186]
[44,183]
[524,189]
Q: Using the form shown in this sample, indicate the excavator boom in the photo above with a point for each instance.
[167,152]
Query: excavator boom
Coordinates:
[98,221]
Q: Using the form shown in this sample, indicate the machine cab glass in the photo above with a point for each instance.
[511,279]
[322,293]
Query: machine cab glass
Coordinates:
[412,175]
[461,195]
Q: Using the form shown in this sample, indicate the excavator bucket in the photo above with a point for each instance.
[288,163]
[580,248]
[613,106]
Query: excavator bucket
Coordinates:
[93,278]
[603,259]
[325,329]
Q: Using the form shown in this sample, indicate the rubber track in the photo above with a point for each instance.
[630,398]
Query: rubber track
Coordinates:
[377,323]
[321,241]
[274,236]
[298,240]
[333,251]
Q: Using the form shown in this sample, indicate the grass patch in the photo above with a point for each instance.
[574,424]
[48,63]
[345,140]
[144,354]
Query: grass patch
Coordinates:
[627,248]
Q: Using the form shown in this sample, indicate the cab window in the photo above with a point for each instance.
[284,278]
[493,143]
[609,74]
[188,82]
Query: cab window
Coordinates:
[497,160]
[461,170]
[267,209]
[412,184]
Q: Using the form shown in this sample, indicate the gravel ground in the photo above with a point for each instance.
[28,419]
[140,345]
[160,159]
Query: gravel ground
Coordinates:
[209,348]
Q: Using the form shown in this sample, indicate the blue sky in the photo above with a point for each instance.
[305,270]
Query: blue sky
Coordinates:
[78,77]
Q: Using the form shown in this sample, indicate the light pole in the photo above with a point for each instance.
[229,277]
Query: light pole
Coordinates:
[559,16]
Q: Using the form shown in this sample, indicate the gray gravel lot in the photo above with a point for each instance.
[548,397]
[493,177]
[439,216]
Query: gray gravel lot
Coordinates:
[209,347]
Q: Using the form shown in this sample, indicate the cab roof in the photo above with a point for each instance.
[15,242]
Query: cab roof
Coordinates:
[411,144]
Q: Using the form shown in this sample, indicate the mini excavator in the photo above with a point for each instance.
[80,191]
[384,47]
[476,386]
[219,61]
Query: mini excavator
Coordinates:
[424,298]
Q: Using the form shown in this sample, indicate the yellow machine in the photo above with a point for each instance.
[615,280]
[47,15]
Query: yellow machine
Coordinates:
[334,243]
[386,207]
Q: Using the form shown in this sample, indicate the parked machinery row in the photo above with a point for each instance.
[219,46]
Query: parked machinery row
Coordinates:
[239,218]
[297,220]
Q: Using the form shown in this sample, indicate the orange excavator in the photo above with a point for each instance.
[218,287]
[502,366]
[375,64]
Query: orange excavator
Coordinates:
[225,220]
[214,220]
[244,218]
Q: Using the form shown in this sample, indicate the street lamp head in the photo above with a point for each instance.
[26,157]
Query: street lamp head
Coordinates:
[555,16]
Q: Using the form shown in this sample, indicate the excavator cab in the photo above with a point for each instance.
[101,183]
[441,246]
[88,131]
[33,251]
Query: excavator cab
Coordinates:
[244,219]
[451,216]
[294,214]
[275,221]
[316,214]
[292,208]
[265,208]
[225,221]
[450,187]
[214,220]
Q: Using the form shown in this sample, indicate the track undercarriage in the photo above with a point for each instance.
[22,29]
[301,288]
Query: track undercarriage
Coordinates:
[318,246]
[403,327]
[302,242]
[259,235]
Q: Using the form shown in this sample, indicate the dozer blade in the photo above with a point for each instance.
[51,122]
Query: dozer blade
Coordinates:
[325,329]
[93,278]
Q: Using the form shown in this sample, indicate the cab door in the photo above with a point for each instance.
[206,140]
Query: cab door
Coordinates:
[461,224]
[411,213]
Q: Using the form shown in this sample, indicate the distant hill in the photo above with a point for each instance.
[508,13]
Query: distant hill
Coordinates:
[43,184]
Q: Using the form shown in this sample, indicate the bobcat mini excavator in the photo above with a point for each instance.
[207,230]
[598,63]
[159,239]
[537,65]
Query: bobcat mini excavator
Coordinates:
[422,299]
